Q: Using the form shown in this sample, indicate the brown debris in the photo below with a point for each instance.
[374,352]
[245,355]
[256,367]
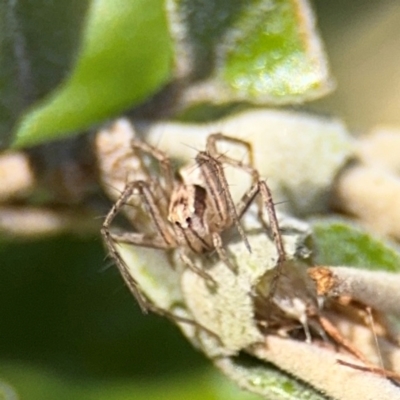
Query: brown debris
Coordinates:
[323,278]
[375,370]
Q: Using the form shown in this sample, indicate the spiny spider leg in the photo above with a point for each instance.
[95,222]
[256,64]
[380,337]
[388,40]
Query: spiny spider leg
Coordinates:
[166,169]
[177,318]
[259,187]
[132,284]
[142,240]
[211,147]
[145,304]
[161,157]
[165,240]
[224,212]
[197,270]
[220,195]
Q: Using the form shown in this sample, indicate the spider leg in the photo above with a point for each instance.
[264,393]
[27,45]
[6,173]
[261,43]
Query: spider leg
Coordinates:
[140,239]
[132,284]
[273,221]
[165,239]
[217,243]
[163,160]
[199,271]
[266,195]
[211,147]
[218,188]
[145,304]
[259,187]
[177,318]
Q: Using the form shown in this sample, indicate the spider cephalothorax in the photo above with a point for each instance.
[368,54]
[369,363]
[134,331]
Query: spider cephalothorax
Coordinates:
[187,212]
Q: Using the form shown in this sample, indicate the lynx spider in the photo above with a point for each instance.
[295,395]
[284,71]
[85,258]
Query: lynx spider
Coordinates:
[190,216]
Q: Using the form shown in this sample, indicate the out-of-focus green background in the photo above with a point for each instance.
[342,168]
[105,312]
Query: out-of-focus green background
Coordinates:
[69,323]
[69,327]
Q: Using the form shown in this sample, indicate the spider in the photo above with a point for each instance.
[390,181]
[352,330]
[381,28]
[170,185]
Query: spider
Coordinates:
[190,217]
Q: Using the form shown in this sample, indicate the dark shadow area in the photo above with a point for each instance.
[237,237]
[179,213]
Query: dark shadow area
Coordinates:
[63,309]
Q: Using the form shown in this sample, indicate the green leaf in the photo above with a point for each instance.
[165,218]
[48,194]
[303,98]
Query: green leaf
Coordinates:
[262,51]
[125,56]
[38,43]
[340,243]
[34,383]
[259,50]
[275,56]
[266,380]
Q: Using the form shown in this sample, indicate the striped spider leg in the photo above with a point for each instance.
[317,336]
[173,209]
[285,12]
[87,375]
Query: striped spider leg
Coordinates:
[154,192]
[163,241]
[211,162]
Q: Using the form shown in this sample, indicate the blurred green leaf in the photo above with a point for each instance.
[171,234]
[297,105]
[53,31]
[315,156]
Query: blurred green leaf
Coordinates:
[267,380]
[35,383]
[38,44]
[340,243]
[259,50]
[263,50]
[126,54]
[276,56]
